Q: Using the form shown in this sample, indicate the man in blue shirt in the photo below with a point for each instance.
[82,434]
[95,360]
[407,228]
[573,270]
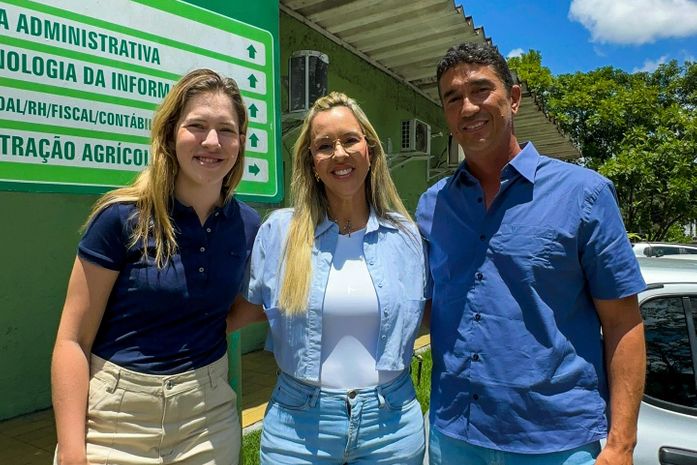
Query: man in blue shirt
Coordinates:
[529,261]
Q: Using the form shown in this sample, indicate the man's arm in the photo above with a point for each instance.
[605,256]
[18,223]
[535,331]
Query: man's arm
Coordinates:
[625,359]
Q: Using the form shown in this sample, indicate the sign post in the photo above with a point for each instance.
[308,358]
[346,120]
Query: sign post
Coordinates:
[78,88]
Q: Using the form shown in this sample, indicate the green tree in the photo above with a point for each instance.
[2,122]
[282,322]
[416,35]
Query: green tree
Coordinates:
[638,129]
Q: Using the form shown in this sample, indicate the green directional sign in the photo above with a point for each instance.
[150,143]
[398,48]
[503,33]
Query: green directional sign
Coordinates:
[254,140]
[78,87]
[254,170]
[252,51]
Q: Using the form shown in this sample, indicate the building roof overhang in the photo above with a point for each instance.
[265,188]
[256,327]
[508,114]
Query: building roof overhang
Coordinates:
[407,39]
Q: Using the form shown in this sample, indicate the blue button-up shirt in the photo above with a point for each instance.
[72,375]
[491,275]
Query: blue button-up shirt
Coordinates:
[517,353]
[395,260]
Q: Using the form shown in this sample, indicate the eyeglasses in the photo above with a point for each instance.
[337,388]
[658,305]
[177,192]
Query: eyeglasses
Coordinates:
[326,147]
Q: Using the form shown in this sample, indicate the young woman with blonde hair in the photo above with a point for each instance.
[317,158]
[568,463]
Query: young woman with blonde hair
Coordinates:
[341,280]
[139,370]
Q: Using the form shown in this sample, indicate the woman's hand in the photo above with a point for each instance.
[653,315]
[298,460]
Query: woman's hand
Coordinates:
[78,458]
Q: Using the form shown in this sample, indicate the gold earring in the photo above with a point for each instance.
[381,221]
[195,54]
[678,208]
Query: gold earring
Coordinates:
[316,175]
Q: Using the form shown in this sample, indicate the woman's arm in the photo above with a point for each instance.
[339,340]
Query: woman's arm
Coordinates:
[88,291]
[243,313]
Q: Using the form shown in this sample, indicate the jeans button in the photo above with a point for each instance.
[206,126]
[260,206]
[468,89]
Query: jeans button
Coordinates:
[351,394]
[169,384]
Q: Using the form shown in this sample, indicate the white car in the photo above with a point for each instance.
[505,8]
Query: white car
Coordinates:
[658,249]
[667,429]
[668,415]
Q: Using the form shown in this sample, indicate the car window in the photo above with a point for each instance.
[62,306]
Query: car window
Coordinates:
[691,251]
[669,373]
[660,250]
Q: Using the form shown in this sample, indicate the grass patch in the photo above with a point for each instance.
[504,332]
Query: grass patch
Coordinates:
[423,386]
[251,441]
[250,448]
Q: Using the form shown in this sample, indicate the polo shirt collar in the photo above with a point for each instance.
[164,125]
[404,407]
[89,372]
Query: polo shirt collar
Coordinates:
[178,209]
[228,209]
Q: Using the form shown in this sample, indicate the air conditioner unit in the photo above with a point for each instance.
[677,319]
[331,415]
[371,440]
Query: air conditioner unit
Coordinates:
[307,79]
[416,137]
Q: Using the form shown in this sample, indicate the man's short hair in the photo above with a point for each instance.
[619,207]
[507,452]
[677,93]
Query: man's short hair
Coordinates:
[479,54]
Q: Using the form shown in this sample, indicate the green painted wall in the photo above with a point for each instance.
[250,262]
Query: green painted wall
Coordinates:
[38,236]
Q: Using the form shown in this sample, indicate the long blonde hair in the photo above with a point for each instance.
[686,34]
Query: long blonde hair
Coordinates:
[309,199]
[153,189]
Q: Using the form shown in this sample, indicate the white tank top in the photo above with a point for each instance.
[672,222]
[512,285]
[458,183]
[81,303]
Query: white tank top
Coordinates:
[350,321]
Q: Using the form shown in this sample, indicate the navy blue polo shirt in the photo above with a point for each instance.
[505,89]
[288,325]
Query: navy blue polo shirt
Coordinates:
[170,320]
[517,352]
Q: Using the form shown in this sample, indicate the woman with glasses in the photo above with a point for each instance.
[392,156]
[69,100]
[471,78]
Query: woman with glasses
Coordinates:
[140,371]
[341,280]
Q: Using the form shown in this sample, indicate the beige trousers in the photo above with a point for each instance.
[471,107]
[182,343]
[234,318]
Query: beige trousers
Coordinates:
[185,419]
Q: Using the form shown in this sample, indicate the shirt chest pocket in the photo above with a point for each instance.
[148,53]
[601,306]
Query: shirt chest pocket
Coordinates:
[517,247]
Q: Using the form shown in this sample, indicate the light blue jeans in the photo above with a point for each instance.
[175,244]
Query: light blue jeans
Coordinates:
[308,425]
[444,450]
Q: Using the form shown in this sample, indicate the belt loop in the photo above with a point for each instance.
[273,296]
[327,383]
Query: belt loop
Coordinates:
[314,396]
[381,398]
[114,381]
[211,376]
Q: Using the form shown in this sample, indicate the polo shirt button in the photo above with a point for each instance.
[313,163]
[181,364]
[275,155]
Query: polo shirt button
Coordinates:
[217,213]
[383,337]
[482,237]
[380,284]
[477,317]
[208,229]
[371,262]
[479,276]
[475,396]
[384,312]
[475,357]
[202,249]
[201,270]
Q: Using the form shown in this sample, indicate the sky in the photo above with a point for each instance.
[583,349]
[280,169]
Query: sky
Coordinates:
[582,35]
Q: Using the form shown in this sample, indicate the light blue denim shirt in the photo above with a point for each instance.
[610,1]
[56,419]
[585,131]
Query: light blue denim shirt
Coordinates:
[395,260]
